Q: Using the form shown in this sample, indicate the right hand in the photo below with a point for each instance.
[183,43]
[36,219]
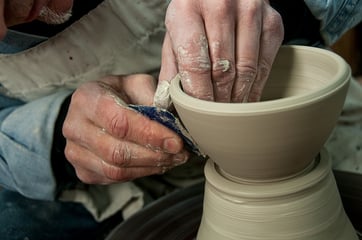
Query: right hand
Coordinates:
[223,50]
[106,142]
[14,12]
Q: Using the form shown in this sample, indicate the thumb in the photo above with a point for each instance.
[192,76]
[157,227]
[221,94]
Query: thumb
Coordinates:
[168,72]
[140,88]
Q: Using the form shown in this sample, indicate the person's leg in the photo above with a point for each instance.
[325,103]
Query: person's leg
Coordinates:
[23,218]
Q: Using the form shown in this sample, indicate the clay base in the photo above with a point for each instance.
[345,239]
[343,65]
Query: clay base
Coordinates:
[305,207]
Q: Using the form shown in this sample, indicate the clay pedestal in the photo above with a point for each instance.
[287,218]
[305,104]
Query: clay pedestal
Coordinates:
[304,207]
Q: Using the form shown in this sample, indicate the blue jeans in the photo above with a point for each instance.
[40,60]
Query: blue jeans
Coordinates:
[28,219]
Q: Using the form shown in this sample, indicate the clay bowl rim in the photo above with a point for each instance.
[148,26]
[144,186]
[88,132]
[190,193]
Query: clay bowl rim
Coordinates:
[340,79]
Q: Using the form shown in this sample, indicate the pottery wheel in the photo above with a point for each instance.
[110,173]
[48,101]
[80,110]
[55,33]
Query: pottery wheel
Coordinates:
[177,216]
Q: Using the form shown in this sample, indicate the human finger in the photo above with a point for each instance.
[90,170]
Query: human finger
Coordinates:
[271,40]
[86,164]
[167,72]
[93,170]
[123,153]
[168,61]
[191,49]
[249,25]
[124,123]
[220,30]
[140,88]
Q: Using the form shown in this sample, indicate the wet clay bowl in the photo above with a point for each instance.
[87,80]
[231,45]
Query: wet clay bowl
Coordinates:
[283,133]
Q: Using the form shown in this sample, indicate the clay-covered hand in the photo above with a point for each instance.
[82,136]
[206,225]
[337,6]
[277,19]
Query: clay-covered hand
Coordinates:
[13,12]
[106,142]
[223,50]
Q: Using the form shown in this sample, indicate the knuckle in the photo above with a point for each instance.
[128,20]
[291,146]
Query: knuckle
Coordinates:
[69,153]
[245,71]
[193,56]
[119,125]
[252,8]
[148,134]
[224,8]
[274,24]
[195,64]
[71,133]
[78,97]
[67,129]
[121,155]
[85,177]
[68,126]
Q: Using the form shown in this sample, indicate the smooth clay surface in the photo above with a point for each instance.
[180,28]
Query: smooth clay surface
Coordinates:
[279,136]
[306,207]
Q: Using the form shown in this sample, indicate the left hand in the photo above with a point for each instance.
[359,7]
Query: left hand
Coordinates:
[107,142]
[223,50]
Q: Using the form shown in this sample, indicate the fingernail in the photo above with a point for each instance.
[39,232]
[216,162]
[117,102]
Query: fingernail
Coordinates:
[171,145]
[179,159]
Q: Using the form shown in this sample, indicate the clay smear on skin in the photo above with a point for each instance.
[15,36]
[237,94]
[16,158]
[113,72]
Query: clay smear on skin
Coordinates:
[198,63]
[162,97]
[201,63]
[52,17]
[220,64]
[222,85]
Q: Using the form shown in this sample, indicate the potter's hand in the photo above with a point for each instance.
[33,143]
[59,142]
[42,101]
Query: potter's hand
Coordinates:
[223,50]
[14,12]
[107,142]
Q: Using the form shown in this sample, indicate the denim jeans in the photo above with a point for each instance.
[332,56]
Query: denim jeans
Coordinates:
[28,219]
